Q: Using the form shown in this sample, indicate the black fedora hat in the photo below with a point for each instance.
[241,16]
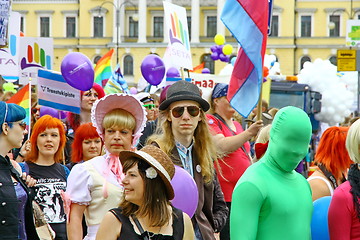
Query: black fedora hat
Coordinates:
[183,90]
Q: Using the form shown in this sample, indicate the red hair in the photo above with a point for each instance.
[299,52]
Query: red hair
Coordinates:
[40,126]
[332,152]
[84,131]
[73,118]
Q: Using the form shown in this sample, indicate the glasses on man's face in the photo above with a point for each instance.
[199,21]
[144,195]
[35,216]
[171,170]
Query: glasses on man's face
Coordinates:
[35,110]
[179,111]
[149,106]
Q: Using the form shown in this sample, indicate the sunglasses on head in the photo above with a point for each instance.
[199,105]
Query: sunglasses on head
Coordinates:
[179,111]
[34,110]
[149,106]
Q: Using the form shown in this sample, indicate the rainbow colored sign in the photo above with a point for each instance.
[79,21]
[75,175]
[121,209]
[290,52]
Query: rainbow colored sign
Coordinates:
[176,21]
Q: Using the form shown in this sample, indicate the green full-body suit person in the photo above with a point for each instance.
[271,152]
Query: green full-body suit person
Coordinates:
[271,200]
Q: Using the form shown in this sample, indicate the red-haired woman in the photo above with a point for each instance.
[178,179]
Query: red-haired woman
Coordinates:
[87,100]
[43,163]
[332,161]
[87,143]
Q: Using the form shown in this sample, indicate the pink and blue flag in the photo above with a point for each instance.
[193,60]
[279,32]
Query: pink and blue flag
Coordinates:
[247,20]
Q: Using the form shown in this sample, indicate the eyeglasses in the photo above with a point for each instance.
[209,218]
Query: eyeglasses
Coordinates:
[35,110]
[149,106]
[179,111]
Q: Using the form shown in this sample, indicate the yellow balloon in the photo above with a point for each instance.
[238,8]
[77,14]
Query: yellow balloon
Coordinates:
[227,49]
[219,39]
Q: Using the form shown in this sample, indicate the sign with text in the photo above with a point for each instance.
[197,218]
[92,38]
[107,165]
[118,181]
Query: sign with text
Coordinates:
[352,33]
[35,54]
[4,21]
[9,56]
[55,92]
[346,60]
[179,44]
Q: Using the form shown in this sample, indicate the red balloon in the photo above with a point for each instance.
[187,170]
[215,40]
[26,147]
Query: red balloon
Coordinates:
[77,70]
[153,69]
[186,192]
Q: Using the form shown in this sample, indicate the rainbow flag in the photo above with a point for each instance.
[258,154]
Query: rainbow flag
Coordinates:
[22,98]
[103,69]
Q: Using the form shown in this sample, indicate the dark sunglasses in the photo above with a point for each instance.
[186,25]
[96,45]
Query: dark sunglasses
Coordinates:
[179,111]
[34,110]
[149,106]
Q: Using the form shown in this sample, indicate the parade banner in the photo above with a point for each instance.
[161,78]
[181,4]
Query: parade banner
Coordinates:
[9,56]
[35,54]
[179,44]
[55,92]
[4,21]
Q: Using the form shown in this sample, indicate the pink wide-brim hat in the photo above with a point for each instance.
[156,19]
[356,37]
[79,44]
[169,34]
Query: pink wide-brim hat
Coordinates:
[118,101]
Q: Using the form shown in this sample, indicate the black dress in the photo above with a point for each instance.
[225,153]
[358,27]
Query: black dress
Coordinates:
[127,229]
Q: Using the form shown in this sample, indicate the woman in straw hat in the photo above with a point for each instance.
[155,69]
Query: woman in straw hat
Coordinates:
[146,212]
[95,186]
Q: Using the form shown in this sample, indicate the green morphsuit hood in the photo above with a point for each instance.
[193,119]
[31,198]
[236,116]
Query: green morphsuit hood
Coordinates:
[290,136]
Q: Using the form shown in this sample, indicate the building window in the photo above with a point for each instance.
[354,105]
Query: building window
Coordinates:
[98,26]
[274,26]
[335,21]
[158,27]
[133,28]
[305,26]
[22,24]
[44,26]
[128,65]
[303,60]
[209,63]
[70,27]
[189,26]
[333,60]
[211,22]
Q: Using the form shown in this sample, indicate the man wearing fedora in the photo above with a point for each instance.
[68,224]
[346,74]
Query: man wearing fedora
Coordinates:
[186,139]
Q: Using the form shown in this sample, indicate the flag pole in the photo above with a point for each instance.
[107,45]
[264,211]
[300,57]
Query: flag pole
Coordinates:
[30,105]
[259,105]
[182,73]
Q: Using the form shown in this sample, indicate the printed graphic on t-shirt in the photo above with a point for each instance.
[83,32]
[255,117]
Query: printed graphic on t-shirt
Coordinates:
[49,199]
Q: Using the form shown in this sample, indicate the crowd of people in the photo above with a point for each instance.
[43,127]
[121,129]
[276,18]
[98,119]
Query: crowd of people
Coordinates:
[106,173]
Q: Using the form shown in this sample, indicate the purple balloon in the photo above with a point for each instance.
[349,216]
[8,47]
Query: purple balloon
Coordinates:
[78,71]
[214,56]
[133,90]
[219,49]
[213,48]
[222,57]
[49,111]
[153,69]
[186,192]
[227,58]
[172,73]
[205,70]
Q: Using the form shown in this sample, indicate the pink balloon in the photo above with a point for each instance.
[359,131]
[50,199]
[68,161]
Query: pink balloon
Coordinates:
[77,70]
[133,90]
[153,69]
[186,192]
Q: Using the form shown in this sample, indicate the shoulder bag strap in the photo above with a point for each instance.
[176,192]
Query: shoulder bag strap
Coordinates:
[138,225]
[328,175]
[219,118]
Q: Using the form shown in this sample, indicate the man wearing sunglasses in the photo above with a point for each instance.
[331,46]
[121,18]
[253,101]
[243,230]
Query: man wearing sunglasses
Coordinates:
[148,104]
[186,139]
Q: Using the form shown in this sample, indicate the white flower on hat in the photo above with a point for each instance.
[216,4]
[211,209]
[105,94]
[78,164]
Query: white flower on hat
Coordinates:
[151,173]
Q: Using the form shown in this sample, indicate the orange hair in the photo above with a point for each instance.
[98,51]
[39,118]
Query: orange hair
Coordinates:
[40,126]
[332,152]
[83,132]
